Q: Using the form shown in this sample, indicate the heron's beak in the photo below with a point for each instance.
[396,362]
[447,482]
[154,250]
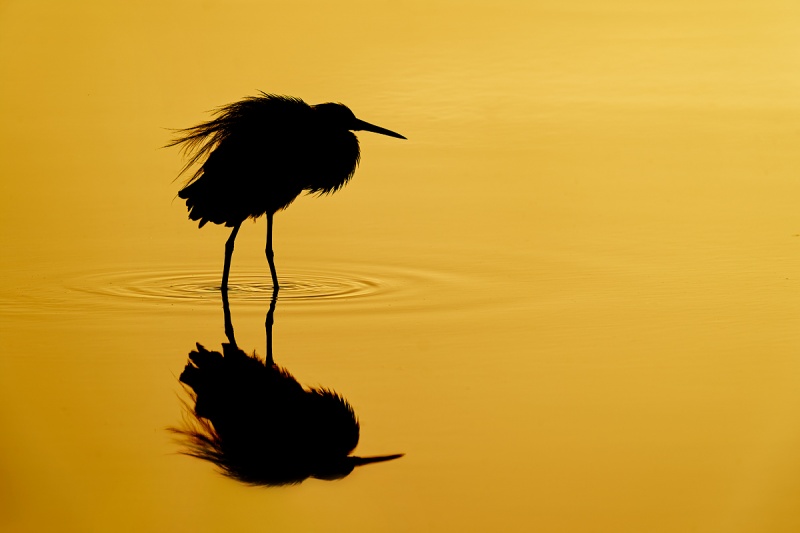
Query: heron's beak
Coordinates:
[358,461]
[360,125]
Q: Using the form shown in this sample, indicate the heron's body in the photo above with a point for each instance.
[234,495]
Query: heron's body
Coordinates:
[267,151]
[260,153]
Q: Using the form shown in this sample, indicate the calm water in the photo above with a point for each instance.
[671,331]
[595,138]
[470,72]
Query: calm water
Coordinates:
[571,298]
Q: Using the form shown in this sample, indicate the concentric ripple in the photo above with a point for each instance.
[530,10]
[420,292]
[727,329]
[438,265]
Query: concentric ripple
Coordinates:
[348,284]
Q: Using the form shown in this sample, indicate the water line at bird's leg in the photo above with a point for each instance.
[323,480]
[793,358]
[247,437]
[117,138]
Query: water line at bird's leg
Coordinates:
[271,254]
[226,269]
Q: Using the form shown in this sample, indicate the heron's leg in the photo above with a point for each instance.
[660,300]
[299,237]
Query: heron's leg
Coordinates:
[228,254]
[268,325]
[270,253]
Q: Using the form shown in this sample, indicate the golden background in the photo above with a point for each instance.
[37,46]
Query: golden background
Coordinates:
[570,298]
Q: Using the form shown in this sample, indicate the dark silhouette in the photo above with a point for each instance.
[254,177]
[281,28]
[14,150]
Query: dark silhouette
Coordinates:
[258,424]
[260,153]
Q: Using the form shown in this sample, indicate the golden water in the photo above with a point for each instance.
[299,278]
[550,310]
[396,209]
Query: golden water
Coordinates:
[571,298]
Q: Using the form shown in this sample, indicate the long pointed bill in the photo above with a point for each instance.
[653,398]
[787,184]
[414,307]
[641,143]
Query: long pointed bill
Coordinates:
[360,125]
[358,461]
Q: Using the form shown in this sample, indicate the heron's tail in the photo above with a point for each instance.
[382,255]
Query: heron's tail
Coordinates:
[209,201]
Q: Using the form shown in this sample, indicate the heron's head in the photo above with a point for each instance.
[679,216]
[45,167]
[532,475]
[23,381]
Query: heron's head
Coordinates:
[339,116]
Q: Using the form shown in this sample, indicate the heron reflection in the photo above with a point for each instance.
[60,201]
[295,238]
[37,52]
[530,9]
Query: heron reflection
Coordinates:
[258,424]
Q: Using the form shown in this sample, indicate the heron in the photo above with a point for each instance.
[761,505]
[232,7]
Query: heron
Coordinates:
[258,154]
[258,424]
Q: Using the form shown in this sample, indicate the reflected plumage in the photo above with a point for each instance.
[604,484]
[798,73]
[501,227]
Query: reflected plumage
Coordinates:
[258,424]
[257,155]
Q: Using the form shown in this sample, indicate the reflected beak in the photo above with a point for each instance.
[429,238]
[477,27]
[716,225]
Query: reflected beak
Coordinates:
[360,125]
[358,461]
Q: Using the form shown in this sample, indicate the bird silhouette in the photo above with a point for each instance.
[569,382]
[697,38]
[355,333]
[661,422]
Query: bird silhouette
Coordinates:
[255,421]
[258,154]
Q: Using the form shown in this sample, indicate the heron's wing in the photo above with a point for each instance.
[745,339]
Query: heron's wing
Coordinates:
[256,165]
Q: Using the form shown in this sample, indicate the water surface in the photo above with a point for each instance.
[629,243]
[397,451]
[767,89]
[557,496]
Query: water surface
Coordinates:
[570,298]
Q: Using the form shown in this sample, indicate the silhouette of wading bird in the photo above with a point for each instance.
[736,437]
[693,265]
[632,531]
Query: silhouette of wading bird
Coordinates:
[257,155]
